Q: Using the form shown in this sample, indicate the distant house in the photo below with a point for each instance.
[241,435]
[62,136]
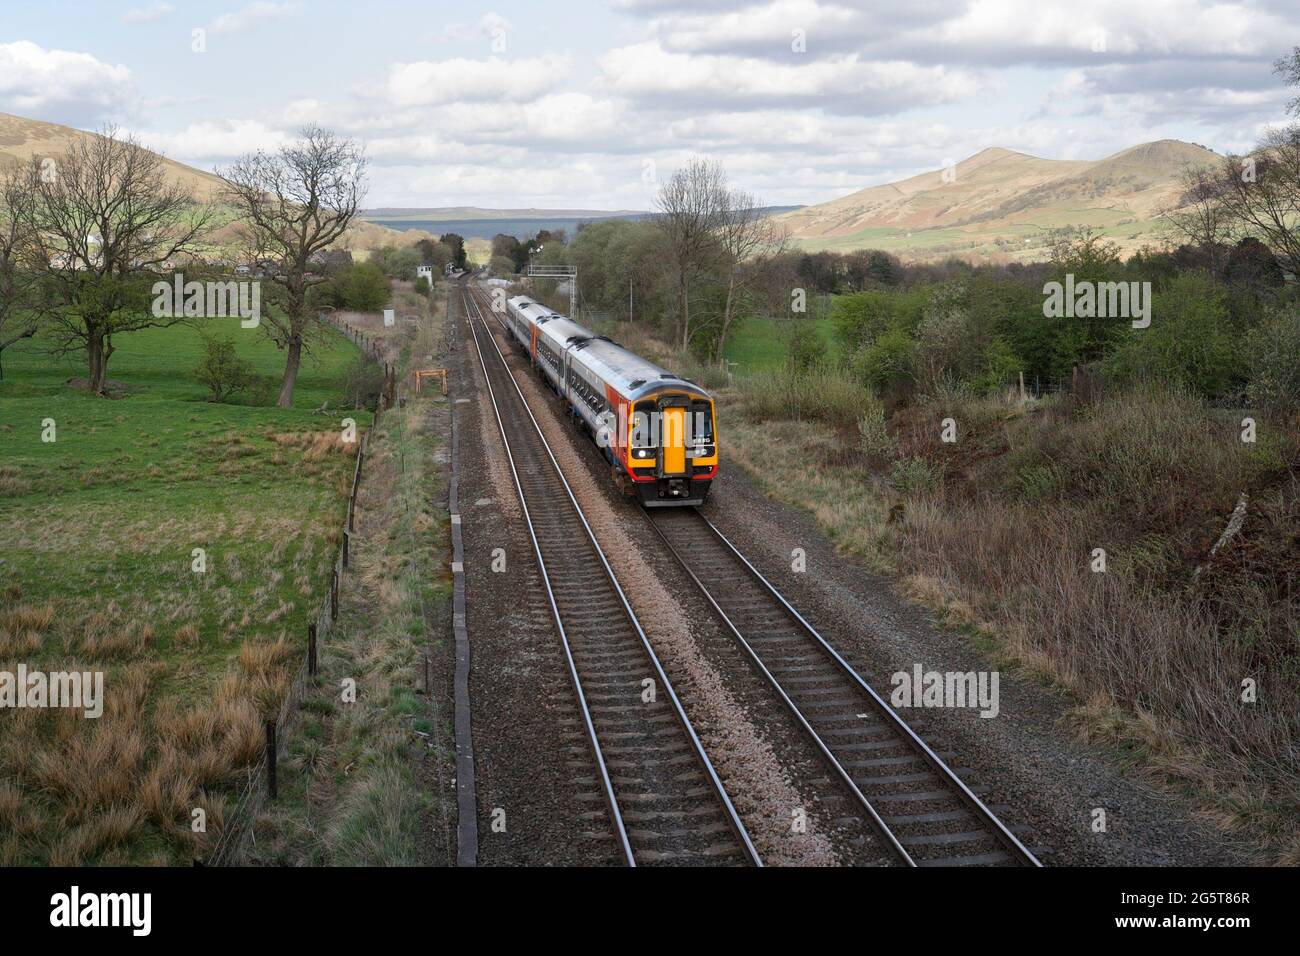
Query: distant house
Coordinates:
[331,260]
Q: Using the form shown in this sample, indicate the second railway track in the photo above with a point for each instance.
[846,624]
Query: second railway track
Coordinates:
[915,803]
[665,800]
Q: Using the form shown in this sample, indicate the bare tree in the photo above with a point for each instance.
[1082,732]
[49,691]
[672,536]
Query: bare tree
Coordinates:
[1288,67]
[748,239]
[102,222]
[1201,217]
[295,203]
[18,318]
[690,205]
[1260,194]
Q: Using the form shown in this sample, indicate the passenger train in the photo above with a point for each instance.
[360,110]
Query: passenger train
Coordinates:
[657,430]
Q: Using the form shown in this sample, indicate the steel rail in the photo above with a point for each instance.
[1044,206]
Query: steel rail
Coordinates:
[1019,852]
[732,816]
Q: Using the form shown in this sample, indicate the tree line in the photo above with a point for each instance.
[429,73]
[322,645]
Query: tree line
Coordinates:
[85,235]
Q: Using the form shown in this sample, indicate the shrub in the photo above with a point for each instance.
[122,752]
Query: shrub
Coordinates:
[1191,342]
[826,395]
[1037,482]
[1273,358]
[220,370]
[1150,455]
[422,285]
[998,367]
[361,287]
[862,318]
[363,380]
[876,441]
[804,350]
[889,362]
[914,476]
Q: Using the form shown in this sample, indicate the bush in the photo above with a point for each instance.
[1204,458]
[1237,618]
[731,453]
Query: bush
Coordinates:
[1191,343]
[804,350]
[1273,358]
[876,442]
[914,476]
[1149,456]
[824,395]
[362,287]
[422,285]
[363,380]
[888,363]
[999,367]
[220,370]
[862,318]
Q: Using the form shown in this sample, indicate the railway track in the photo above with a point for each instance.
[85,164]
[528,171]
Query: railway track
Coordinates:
[666,803]
[918,807]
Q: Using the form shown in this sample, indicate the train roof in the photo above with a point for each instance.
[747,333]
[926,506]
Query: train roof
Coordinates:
[530,308]
[628,372]
[560,330]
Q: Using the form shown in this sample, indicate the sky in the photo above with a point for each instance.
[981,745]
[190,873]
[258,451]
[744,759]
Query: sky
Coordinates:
[589,105]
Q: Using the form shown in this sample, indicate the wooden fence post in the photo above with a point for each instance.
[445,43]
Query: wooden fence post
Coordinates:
[347,536]
[270,759]
[334,596]
[311,650]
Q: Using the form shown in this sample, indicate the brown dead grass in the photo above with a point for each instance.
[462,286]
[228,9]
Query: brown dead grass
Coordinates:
[315,445]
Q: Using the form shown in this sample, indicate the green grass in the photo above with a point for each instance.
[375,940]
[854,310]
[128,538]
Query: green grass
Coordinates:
[100,524]
[760,344]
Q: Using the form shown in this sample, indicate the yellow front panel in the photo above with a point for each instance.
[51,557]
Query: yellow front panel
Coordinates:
[674,440]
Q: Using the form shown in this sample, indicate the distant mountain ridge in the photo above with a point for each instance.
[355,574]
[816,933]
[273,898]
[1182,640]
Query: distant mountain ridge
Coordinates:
[1000,203]
[480,212]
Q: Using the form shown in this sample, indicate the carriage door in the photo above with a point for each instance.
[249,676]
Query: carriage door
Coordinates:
[673,438]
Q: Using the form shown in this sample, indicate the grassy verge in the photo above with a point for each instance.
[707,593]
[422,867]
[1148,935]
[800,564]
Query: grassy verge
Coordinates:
[98,573]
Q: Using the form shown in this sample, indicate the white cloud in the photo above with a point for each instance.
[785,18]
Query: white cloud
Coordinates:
[61,85]
[216,142]
[251,15]
[842,81]
[441,81]
[147,14]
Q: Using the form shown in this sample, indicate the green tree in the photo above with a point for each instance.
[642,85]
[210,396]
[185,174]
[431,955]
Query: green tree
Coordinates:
[361,287]
[220,370]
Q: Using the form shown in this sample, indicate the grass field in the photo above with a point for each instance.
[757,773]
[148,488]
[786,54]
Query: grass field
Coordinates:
[1022,239]
[760,344]
[96,574]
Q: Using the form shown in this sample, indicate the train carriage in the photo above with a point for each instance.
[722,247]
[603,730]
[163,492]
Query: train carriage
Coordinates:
[656,429]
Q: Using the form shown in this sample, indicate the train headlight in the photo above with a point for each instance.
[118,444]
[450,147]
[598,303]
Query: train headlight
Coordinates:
[703,451]
[643,452]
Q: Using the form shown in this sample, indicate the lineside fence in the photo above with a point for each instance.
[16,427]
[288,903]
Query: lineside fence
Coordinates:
[260,783]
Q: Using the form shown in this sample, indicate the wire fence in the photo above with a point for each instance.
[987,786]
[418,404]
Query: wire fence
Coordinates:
[260,780]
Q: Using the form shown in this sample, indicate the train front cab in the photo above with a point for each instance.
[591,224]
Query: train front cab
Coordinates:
[672,449]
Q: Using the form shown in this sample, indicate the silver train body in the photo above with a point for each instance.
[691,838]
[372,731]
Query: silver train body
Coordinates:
[655,428]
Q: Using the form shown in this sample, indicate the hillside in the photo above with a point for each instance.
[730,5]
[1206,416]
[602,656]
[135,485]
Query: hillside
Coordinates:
[21,139]
[999,204]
